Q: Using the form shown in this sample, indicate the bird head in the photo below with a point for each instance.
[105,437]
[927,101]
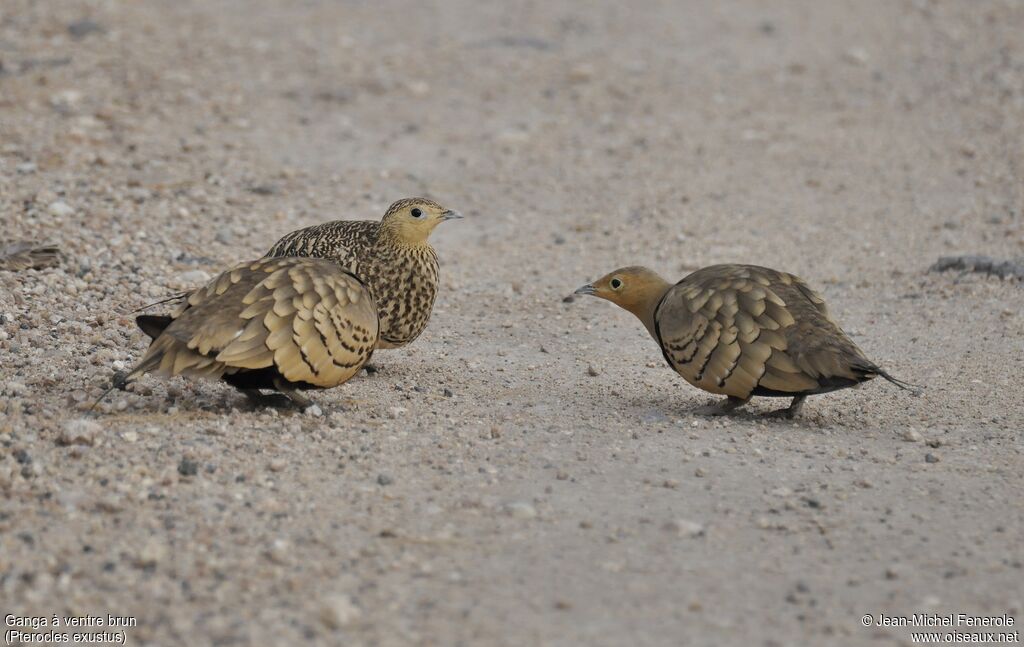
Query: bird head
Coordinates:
[636,289]
[412,220]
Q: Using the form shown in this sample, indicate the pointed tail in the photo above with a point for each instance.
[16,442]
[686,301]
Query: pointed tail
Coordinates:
[121,380]
[906,386]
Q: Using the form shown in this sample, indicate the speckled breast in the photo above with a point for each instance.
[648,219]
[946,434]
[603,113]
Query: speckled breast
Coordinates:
[405,286]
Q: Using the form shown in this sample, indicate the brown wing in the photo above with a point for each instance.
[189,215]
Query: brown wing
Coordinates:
[308,318]
[743,330]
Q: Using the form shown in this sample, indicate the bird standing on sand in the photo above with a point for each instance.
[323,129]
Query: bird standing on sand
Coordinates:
[284,324]
[392,256]
[741,331]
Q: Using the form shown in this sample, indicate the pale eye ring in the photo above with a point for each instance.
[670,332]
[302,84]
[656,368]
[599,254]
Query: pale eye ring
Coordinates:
[615,283]
[417,213]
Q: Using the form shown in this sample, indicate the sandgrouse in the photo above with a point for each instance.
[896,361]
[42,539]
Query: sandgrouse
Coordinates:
[284,324]
[741,331]
[392,256]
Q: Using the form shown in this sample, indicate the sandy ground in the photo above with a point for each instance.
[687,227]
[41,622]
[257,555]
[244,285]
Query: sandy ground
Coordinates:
[486,487]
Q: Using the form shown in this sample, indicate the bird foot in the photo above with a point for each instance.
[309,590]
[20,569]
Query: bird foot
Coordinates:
[721,409]
[298,400]
[274,400]
[789,412]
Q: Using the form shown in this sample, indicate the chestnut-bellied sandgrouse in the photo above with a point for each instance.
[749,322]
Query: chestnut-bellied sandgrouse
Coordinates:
[741,331]
[392,256]
[283,324]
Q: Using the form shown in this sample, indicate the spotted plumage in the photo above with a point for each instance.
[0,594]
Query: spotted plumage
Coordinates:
[742,331]
[392,256]
[283,324]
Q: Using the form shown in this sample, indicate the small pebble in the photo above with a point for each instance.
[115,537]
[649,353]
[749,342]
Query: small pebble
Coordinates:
[684,528]
[931,458]
[279,551]
[384,479]
[314,411]
[277,464]
[912,436]
[82,28]
[337,611]
[188,467]
[153,552]
[60,209]
[520,510]
[79,431]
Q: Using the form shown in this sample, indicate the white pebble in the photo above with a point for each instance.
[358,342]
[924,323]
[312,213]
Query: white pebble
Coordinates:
[314,411]
[337,611]
[912,436]
[520,510]
[685,528]
[80,431]
[60,209]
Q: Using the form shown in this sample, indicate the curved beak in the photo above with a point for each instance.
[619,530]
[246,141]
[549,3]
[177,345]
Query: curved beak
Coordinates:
[586,289]
[451,215]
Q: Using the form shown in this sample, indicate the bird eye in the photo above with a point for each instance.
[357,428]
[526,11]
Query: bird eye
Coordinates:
[615,283]
[416,213]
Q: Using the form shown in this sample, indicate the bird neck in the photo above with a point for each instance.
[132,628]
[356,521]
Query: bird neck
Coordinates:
[646,308]
[393,235]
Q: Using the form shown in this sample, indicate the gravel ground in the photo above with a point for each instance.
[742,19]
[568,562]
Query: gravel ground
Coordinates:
[528,472]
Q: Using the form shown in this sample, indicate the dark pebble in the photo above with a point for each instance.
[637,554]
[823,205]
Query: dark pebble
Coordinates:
[22,457]
[448,393]
[384,479]
[569,299]
[931,458]
[264,189]
[82,28]
[188,467]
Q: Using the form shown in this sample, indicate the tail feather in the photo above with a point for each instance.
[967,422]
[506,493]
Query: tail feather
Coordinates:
[869,370]
[148,363]
[906,386]
[175,297]
[119,382]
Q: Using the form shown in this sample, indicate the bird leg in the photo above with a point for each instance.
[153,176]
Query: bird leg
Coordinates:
[730,404]
[790,411]
[297,398]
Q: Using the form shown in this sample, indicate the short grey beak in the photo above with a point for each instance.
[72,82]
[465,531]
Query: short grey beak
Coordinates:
[586,289]
[451,215]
